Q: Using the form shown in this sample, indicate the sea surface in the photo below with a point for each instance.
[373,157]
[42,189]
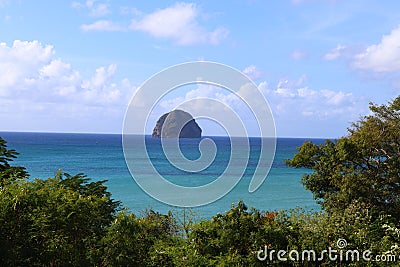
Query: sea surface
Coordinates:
[100,157]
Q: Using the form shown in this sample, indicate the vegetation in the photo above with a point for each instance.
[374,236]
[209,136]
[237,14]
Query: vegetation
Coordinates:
[9,173]
[70,221]
[362,168]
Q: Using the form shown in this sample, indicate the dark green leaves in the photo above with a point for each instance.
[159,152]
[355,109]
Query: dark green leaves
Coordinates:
[362,166]
[9,173]
[58,221]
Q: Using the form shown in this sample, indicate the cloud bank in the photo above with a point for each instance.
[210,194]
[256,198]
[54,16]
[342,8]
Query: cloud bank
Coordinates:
[36,84]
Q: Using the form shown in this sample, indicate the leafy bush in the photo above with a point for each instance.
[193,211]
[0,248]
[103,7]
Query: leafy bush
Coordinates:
[129,239]
[57,221]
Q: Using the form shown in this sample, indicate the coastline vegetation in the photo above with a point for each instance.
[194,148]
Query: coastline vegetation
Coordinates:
[69,220]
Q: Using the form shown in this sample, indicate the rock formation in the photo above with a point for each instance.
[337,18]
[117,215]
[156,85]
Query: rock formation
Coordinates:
[176,124]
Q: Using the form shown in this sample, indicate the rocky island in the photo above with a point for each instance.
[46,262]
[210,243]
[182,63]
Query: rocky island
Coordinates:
[176,124]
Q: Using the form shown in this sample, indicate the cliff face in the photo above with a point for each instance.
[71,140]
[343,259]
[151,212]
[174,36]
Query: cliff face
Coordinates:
[176,124]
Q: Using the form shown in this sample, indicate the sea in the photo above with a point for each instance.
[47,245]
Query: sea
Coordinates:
[101,157]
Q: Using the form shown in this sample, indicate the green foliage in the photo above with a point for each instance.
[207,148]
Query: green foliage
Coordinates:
[57,221]
[235,237]
[129,239]
[9,173]
[179,252]
[363,167]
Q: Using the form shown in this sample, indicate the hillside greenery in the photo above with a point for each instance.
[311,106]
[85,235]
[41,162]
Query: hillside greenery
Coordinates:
[69,220]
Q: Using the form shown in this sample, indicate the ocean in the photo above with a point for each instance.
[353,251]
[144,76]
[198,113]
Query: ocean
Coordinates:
[100,157]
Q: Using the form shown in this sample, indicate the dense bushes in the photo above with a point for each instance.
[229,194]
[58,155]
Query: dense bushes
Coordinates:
[57,221]
[52,223]
[130,240]
[46,223]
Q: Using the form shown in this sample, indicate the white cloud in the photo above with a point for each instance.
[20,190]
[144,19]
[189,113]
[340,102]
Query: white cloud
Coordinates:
[30,72]
[16,66]
[263,87]
[382,57]
[102,25]
[306,92]
[252,72]
[291,100]
[335,53]
[334,98]
[284,92]
[40,92]
[179,23]
[323,104]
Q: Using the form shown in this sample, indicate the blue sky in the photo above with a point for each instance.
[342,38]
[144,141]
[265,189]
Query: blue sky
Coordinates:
[73,66]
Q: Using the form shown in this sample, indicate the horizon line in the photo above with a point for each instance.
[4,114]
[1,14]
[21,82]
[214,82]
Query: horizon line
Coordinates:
[113,133]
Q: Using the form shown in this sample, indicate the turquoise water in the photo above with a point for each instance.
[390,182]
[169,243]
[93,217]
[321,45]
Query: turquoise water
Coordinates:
[100,156]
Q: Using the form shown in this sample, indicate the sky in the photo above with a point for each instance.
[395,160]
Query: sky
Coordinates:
[74,66]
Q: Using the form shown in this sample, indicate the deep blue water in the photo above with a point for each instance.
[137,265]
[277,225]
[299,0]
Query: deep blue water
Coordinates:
[100,157]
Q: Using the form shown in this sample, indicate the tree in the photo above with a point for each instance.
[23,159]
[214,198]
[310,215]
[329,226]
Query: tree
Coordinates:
[362,167]
[9,173]
[59,221]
